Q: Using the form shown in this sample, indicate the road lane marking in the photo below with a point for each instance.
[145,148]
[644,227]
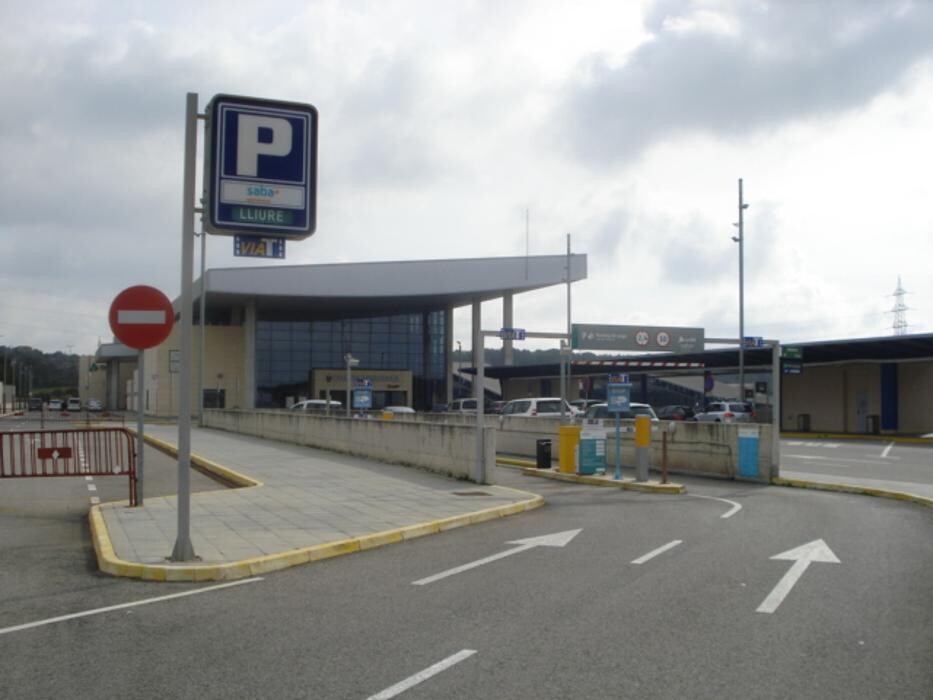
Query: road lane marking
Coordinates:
[802,556]
[887,450]
[422,676]
[558,539]
[91,487]
[121,606]
[655,552]
[736,507]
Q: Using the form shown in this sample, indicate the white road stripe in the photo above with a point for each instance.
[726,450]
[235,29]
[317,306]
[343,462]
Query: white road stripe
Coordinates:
[660,550]
[146,601]
[887,450]
[95,500]
[422,676]
[140,317]
[736,507]
[91,487]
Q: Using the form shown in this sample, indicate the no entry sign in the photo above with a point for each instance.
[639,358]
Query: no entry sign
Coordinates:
[141,317]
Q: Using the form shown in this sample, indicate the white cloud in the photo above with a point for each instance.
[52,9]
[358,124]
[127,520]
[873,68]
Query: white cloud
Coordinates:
[624,125]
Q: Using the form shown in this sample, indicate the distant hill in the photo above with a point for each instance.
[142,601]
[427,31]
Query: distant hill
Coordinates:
[56,370]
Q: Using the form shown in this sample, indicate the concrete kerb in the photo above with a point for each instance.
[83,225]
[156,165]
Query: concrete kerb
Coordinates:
[529,469]
[853,489]
[853,437]
[109,562]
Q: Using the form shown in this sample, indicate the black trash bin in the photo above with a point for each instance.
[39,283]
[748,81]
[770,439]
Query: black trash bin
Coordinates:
[543,454]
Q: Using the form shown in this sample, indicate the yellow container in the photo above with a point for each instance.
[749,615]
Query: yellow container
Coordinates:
[388,415]
[642,431]
[568,439]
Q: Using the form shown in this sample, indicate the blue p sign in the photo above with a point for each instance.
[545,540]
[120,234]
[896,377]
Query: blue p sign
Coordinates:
[262,167]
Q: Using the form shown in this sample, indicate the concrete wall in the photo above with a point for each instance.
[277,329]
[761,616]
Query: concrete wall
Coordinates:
[225,356]
[709,449]
[915,396]
[437,447]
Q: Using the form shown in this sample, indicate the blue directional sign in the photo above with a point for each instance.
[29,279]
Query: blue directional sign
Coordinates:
[261,171]
[618,394]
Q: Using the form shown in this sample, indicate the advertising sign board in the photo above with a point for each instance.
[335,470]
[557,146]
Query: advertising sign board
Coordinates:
[261,167]
[586,336]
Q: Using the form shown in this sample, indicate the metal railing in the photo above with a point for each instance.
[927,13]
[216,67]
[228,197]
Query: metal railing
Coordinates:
[78,452]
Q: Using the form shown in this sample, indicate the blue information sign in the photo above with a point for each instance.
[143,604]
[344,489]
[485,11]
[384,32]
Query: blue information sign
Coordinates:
[261,174]
[618,394]
[362,399]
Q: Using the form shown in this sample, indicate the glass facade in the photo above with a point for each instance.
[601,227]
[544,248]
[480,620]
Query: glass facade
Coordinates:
[288,350]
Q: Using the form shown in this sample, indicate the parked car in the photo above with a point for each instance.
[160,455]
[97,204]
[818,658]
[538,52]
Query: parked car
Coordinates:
[727,412]
[398,409]
[55,405]
[545,406]
[94,405]
[73,404]
[317,406]
[601,411]
[676,413]
[496,407]
[462,406]
[583,404]
[35,403]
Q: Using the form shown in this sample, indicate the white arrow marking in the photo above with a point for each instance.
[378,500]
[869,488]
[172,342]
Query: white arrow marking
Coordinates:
[558,539]
[134,317]
[802,556]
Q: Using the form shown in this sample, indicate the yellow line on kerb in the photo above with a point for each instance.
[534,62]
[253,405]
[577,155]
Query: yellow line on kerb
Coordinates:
[109,563]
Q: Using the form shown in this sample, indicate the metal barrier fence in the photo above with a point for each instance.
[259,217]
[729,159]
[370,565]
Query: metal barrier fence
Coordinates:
[79,452]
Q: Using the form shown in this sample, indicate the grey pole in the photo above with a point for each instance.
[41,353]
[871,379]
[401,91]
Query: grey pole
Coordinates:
[140,387]
[346,358]
[565,375]
[479,390]
[183,550]
[776,409]
[202,311]
[741,241]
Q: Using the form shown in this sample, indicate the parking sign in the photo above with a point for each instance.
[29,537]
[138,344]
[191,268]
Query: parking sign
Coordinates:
[261,167]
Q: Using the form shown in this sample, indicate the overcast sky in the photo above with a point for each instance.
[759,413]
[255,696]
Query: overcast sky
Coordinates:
[625,124]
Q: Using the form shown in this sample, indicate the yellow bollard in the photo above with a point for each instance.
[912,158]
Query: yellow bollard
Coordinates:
[388,415]
[642,431]
[642,447]
[568,439]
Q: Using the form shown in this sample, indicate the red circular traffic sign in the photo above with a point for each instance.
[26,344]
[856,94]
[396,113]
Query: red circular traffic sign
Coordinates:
[141,317]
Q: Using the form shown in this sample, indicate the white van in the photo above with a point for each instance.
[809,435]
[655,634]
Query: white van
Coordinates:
[462,406]
[317,406]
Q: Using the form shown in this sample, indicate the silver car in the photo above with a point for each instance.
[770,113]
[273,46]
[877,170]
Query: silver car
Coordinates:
[727,412]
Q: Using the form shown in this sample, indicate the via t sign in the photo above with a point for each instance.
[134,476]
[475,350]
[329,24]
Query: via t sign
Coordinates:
[141,317]
[261,170]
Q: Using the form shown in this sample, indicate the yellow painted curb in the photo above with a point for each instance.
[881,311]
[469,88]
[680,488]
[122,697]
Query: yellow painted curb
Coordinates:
[851,488]
[109,563]
[627,484]
[218,470]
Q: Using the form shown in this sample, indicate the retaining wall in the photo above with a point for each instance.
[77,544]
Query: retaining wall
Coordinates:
[448,449]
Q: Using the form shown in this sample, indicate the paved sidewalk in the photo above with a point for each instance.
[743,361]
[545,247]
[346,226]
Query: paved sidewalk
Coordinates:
[309,504]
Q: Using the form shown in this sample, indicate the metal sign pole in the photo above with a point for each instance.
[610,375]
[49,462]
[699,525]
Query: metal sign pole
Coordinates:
[183,550]
[141,372]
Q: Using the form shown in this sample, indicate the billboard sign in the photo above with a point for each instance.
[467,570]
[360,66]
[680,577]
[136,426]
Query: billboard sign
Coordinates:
[261,167]
[586,336]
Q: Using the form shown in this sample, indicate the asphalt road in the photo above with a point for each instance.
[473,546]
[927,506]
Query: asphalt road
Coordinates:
[898,466]
[582,620]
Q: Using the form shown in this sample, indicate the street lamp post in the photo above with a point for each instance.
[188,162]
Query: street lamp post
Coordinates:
[351,362]
[740,239]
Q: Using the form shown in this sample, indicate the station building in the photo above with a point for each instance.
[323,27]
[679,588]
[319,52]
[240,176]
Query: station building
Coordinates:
[276,334]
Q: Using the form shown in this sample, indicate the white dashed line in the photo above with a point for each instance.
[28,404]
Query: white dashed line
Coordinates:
[422,676]
[655,552]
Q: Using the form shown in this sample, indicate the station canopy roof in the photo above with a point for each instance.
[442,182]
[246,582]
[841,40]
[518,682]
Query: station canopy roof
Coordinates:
[378,286]
[885,349]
